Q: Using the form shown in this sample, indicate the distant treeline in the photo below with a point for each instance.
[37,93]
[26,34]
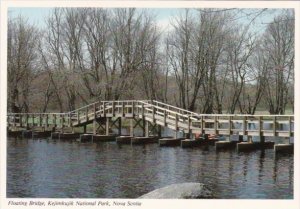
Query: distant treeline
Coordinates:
[206,61]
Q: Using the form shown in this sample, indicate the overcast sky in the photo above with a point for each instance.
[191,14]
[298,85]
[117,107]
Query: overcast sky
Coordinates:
[37,16]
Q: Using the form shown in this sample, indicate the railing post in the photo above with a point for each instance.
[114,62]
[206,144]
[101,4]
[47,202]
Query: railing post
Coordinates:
[153,114]
[46,124]
[244,125]
[290,127]
[14,120]
[202,124]
[261,136]
[54,119]
[33,118]
[165,117]
[94,120]
[44,121]
[78,117]
[62,121]
[70,120]
[259,126]
[229,126]
[86,114]
[133,108]
[104,113]
[20,119]
[99,107]
[143,110]
[113,108]
[189,126]
[40,120]
[274,126]
[123,109]
[216,124]
[143,119]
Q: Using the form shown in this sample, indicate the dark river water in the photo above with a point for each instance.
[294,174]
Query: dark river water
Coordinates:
[61,169]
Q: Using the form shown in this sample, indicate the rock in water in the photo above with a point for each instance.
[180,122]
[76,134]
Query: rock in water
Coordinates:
[180,191]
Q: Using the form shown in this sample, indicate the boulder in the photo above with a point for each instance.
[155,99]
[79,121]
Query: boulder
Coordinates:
[180,191]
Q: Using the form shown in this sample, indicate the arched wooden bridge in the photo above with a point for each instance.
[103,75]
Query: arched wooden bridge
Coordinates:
[149,114]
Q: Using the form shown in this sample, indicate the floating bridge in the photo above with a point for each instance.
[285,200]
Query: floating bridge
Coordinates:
[150,116]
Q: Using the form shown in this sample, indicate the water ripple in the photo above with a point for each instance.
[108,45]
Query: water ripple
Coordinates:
[57,169]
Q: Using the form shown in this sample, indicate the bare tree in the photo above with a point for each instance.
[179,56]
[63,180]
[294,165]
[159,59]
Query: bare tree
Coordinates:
[195,48]
[51,92]
[240,47]
[150,66]
[215,29]
[278,45]
[134,39]
[22,62]
[209,62]
[179,45]
[64,38]
[97,36]
[255,84]
[52,54]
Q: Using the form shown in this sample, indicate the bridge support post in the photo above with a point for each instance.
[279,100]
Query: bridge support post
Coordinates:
[187,135]
[107,126]
[249,139]
[94,126]
[54,122]
[262,139]
[144,126]
[62,120]
[26,122]
[146,129]
[84,129]
[120,125]
[47,122]
[159,131]
[20,121]
[176,126]
[131,127]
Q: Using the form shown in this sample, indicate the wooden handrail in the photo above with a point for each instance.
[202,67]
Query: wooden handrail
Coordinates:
[151,102]
[155,111]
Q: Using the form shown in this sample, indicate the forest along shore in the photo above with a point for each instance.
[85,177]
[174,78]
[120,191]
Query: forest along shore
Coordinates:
[204,60]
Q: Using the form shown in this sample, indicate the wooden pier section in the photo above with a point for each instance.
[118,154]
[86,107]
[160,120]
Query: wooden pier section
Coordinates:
[150,116]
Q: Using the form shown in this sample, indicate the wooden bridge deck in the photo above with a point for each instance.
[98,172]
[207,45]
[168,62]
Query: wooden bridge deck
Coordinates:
[161,114]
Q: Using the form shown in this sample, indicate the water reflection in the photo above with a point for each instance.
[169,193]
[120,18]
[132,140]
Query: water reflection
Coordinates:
[261,166]
[107,170]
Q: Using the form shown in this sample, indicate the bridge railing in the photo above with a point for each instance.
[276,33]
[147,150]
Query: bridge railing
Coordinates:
[267,125]
[168,115]
[37,119]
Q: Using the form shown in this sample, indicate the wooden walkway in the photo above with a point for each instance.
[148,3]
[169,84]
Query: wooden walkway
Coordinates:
[145,113]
